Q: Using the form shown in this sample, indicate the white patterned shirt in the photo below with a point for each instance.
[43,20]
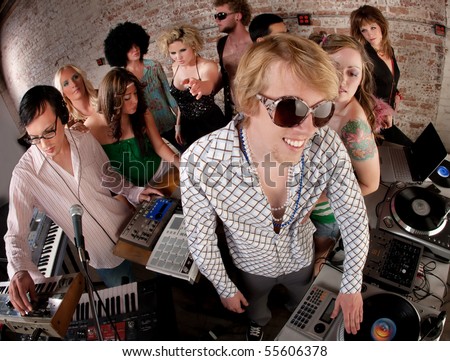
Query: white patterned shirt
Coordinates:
[216,179]
[38,182]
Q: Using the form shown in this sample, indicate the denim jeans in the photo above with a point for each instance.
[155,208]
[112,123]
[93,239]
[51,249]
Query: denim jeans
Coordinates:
[326,230]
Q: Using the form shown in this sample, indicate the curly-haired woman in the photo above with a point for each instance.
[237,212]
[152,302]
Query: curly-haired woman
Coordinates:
[193,85]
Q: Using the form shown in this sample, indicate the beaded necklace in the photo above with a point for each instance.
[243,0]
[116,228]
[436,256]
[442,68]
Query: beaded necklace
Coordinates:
[276,221]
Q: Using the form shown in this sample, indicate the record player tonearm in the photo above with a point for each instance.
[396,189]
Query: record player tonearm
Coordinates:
[418,214]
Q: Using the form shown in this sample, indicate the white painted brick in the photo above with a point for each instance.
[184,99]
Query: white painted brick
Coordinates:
[40,36]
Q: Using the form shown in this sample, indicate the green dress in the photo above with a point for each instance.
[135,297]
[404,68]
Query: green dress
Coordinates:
[125,157]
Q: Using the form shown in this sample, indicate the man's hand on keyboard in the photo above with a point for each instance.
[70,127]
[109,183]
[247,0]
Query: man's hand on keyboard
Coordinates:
[21,292]
[146,194]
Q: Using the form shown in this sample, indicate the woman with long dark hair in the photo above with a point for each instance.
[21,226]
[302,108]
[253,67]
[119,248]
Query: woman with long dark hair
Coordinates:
[370,28]
[355,122]
[125,47]
[125,128]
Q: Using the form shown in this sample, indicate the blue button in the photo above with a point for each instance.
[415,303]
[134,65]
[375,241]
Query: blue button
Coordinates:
[443,171]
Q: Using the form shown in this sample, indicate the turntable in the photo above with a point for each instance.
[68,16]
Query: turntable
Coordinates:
[419,214]
[387,316]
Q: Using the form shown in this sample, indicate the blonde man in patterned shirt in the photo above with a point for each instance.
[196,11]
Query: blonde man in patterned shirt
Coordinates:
[262,175]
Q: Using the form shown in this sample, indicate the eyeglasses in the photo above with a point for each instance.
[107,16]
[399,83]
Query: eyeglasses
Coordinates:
[49,134]
[290,111]
[221,15]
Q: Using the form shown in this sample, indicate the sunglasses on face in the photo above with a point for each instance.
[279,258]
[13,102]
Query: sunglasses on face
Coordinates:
[221,15]
[290,111]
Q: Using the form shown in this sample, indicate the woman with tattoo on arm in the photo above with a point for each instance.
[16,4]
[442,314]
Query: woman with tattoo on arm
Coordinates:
[354,121]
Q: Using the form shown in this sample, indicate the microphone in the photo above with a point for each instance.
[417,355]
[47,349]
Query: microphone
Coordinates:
[76,212]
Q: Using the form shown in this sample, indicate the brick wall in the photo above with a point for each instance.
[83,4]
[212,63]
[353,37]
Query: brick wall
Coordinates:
[39,36]
[443,116]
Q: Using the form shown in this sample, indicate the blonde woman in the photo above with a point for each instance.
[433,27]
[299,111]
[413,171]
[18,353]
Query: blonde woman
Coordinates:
[78,93]
[193,84]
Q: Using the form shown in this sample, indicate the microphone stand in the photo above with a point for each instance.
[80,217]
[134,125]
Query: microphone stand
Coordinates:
[84,258]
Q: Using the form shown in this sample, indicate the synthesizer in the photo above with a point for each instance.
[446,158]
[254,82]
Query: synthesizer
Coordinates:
[58,297]
[52,251]
[47,244]
[135,311]
[148,222]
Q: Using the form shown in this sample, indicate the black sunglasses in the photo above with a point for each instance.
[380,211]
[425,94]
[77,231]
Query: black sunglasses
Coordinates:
[290,111]
[221,15]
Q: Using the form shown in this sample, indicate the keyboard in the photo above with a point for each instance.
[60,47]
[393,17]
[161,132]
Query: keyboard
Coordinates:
[171,255]
[57,299]
[139,311]
[400,162]
[47,244]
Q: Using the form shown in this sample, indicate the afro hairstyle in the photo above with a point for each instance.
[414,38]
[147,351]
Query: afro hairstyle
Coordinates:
[120,40]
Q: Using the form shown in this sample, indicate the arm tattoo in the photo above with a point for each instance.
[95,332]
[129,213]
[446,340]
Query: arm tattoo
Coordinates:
[358,139]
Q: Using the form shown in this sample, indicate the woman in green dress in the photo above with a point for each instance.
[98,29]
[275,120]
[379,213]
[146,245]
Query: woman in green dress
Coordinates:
[125,128]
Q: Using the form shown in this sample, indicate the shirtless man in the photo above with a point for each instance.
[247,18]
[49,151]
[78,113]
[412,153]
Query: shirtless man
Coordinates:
[232,17]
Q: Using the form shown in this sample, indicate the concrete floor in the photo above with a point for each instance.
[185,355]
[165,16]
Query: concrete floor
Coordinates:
[446,307]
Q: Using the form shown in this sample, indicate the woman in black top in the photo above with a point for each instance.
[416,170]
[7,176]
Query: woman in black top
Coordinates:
[370,27]
[193,84]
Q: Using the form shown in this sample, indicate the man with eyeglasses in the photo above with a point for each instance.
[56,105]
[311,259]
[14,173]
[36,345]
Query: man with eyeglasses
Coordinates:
[262,175]
[63,168]
[232,17]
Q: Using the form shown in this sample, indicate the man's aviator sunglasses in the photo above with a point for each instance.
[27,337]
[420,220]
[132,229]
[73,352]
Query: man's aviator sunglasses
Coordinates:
[290,111]
[221,15]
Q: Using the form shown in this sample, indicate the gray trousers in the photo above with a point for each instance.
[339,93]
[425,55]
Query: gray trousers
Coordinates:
[257,289]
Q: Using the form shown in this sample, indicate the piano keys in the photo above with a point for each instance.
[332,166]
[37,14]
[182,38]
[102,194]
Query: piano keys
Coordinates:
[48,244]
[135,311]
[58,297]
[52,251]
[116,300]
[50,262]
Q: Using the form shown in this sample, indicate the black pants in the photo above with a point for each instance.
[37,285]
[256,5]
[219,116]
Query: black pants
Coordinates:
[257,289]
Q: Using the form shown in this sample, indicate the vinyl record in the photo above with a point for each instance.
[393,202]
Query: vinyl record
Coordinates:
[387,317]
[419,210]
[441,176]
